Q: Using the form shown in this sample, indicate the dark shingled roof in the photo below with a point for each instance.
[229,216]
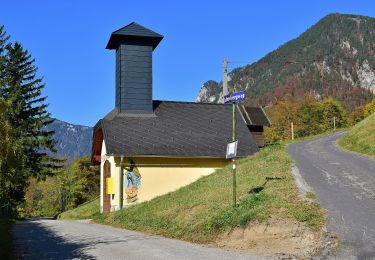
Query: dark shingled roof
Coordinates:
[133,32]
[181,129]
[255,116]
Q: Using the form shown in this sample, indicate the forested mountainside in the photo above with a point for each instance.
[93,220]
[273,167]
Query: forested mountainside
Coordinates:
[334,58]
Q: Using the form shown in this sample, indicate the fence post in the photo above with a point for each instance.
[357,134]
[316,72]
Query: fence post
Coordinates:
[292,130]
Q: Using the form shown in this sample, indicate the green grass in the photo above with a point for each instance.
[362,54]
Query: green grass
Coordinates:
[203,209]
[6,250]
[361,138]
[84,211]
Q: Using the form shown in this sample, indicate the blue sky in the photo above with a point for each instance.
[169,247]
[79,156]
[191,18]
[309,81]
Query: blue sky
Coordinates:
[68,38]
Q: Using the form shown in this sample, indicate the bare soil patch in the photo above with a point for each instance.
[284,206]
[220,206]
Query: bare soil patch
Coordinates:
[281,238]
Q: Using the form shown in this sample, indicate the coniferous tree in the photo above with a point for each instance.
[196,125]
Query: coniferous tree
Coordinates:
[24,117]
[3,43]
[29,114]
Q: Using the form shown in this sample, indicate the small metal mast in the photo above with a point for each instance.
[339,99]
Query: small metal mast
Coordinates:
[225,77]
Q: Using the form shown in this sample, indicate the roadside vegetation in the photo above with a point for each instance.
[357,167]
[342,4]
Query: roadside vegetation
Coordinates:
[85,211]
[202,210]
[67,189]
[311,116]
[26,147]
[25,144]
[361,138]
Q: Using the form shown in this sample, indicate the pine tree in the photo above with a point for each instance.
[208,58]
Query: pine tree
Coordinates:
[29,115]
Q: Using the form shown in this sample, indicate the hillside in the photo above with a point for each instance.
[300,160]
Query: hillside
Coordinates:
[334,58]
[361,138]
[202,211]
[72,140]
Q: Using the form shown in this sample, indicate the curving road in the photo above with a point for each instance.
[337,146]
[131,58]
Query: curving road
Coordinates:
[53,239]
[344,183]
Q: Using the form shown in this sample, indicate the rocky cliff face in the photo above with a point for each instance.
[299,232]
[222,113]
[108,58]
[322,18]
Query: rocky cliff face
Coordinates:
[334,58]
[210,92]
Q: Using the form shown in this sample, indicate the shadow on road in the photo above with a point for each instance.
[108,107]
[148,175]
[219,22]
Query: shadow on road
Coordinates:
[36,240]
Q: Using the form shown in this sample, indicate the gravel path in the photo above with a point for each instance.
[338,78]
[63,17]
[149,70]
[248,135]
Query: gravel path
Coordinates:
[54,239]
[344,183]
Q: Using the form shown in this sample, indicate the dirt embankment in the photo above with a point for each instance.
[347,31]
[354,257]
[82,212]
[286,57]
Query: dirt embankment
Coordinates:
[279,238]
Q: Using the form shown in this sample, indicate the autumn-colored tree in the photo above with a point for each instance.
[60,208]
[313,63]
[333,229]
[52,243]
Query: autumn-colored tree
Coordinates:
[333,111]
[72,186]
[369,108]
[357,115]
[281,115]
[309,116]
[41,198]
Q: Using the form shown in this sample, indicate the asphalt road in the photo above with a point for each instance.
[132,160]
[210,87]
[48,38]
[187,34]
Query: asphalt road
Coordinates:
[344,183]
[54,239]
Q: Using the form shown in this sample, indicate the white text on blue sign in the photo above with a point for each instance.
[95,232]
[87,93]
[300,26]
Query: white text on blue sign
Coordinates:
[237,97]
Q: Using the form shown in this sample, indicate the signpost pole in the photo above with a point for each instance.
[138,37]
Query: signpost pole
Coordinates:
[232,150]
[121,184]
[234,159]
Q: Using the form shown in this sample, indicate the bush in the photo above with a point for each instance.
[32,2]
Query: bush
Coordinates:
[66,190]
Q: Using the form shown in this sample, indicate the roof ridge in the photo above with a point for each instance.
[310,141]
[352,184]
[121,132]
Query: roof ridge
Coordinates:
[124,27]
[141,26]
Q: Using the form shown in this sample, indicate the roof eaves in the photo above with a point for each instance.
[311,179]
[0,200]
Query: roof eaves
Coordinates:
[269,121]
[95,128]
[247,115]
[172,156]
[241,114]
[105,136]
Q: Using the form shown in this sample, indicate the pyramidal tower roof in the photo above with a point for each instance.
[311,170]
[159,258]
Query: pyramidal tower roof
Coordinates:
[134,33]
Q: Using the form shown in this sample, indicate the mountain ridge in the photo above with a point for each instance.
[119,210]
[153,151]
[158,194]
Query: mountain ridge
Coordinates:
[72,141]
[333,58]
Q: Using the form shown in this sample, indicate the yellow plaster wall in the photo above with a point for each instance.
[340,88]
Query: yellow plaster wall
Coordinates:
[158,181]
[159,175]
[115,199]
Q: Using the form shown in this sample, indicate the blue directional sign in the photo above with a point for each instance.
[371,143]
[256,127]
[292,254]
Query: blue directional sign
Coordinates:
[237,97]
[227,99]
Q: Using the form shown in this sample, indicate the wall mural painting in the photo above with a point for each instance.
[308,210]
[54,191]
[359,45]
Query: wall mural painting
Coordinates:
[132,183]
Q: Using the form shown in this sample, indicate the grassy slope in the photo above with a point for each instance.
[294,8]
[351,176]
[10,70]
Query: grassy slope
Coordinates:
[361,138]
[6,250]
[84,211]
[203,209]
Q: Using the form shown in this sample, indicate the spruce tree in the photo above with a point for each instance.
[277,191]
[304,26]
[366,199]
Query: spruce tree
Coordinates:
[3,43]
[29,116]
